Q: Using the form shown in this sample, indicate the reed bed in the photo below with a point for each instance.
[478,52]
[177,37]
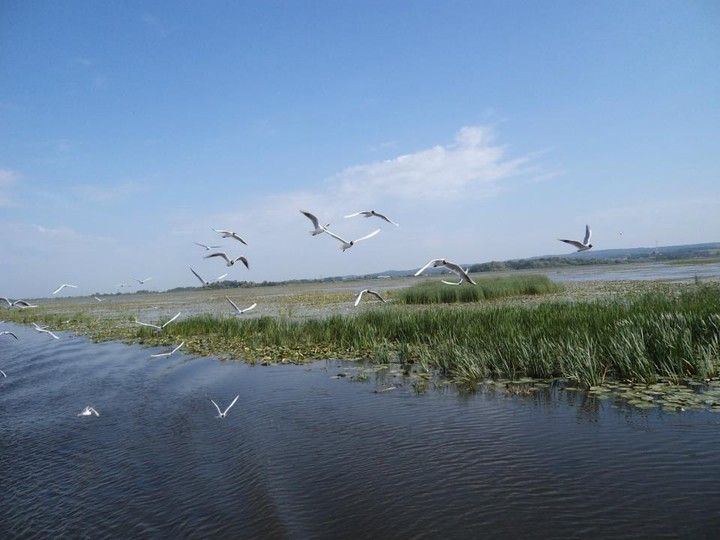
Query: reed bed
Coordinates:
[671,333]
[641,338]
[436,292]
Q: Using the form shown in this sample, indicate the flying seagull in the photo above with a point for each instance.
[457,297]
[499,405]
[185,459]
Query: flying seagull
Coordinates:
[371,213]
[222,414]
[155,325]
[207,248]
[61,287]
[98,299]
[43,329]
[450,266]
[168,353]
[88,411]
[230,234]
[228,260]
[581,246]
[142,281]
[9,333]
[202,280]
[348,244]
[23,304]
[374,293]
[240,311]
[319,229]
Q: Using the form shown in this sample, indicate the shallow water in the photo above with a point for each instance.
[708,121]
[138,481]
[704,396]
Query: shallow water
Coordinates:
[638,272]
[306,455]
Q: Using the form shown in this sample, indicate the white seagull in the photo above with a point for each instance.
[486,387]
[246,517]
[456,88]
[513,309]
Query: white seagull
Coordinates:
[228,260]
[207,248]
[23,304]
[168,353]
[371,213]
[88,411]
[240,311]
[9,333]
[202,280]
[98,299]
[142,281]
[319,229]
[450,266]
[230,234]
[581,246]
[374,293]
[43,329]
[155,325]
[61,287]
[347,244]
[222,414]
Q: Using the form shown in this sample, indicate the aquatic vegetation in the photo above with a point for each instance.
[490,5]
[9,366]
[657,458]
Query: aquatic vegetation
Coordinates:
[592,336]
[436,292]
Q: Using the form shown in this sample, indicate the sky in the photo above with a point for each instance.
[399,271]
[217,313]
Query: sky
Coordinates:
[486,129]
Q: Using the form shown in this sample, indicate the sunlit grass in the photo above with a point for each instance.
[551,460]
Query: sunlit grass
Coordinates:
[436,292]
[671,334]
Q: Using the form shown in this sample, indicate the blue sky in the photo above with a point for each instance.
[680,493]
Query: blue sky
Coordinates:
[487,129]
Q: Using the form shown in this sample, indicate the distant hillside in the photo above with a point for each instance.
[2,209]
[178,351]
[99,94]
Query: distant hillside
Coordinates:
[601,256]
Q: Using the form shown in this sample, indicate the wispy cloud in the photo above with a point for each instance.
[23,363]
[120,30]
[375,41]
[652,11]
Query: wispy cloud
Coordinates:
[471,164]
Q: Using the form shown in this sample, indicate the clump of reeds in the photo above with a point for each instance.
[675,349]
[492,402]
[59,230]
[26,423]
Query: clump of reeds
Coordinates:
[641,338]
[436,292]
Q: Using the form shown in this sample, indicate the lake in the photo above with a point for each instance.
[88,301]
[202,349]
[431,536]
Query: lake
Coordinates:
[313,452]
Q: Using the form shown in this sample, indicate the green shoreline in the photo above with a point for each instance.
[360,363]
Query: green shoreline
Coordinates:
[598,336]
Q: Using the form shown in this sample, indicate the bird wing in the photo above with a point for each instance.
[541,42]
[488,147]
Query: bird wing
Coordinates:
[368,236]
[386,219]
[9,303]
[575,243]
[236,237]
[336,237]
[311,217]
[219,254]
[60,288]
[158,355]
[176,349]
[3,373]
[588,233]
[355,214]
[233,403]
[249,308]
[222,231]
[197,275]
[376,295]
[244,261]
[427,266]
[459,271]
[359,296]
[216,406]
[12,334]
[233,305]
[220,277]
[148,324]
[171,320]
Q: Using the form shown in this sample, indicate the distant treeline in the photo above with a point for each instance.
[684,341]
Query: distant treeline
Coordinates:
[554,262]
[232,284]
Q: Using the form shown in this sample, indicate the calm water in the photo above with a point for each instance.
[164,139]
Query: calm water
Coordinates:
[304,455]
[637,271]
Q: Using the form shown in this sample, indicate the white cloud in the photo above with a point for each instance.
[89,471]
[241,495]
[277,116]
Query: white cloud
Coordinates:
[469,165]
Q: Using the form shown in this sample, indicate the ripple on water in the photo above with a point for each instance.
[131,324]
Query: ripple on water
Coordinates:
[303,455]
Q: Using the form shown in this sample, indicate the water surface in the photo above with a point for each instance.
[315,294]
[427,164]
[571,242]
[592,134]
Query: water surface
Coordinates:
[306,455]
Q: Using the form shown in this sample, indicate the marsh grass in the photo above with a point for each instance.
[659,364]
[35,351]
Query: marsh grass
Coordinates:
[436,292]
[644,338]
[666,334]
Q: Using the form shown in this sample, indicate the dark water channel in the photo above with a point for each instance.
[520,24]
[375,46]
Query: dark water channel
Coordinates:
[305,455]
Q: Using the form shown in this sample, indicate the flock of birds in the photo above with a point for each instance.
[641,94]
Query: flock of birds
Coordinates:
[318,229]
